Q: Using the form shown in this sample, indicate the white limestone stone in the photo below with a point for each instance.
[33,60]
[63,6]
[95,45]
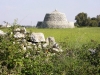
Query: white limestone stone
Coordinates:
[2,33]
[37,37]
[19,35]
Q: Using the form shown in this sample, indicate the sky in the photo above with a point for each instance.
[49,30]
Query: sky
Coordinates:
[29,12]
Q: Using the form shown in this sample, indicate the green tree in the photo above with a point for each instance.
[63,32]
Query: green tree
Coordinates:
[88,21]
[93,23]
[98,20]
[81,19]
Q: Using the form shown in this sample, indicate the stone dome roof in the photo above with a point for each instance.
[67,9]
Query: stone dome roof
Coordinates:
[55,16]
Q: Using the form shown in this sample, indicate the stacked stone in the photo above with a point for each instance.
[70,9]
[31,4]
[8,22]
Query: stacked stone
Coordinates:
[56,20]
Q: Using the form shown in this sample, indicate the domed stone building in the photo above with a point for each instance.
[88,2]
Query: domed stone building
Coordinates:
[55,19]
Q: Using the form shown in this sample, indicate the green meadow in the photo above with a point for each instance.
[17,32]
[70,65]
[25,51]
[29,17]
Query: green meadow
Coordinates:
[74,37]
[70,37]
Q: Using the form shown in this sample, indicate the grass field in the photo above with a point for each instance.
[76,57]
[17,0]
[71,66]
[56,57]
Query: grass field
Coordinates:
[74,37]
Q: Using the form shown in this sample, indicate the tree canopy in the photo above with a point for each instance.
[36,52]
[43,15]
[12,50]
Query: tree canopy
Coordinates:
[82,19]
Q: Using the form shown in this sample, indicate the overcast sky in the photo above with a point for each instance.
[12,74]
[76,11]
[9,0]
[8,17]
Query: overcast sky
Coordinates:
[29,12]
